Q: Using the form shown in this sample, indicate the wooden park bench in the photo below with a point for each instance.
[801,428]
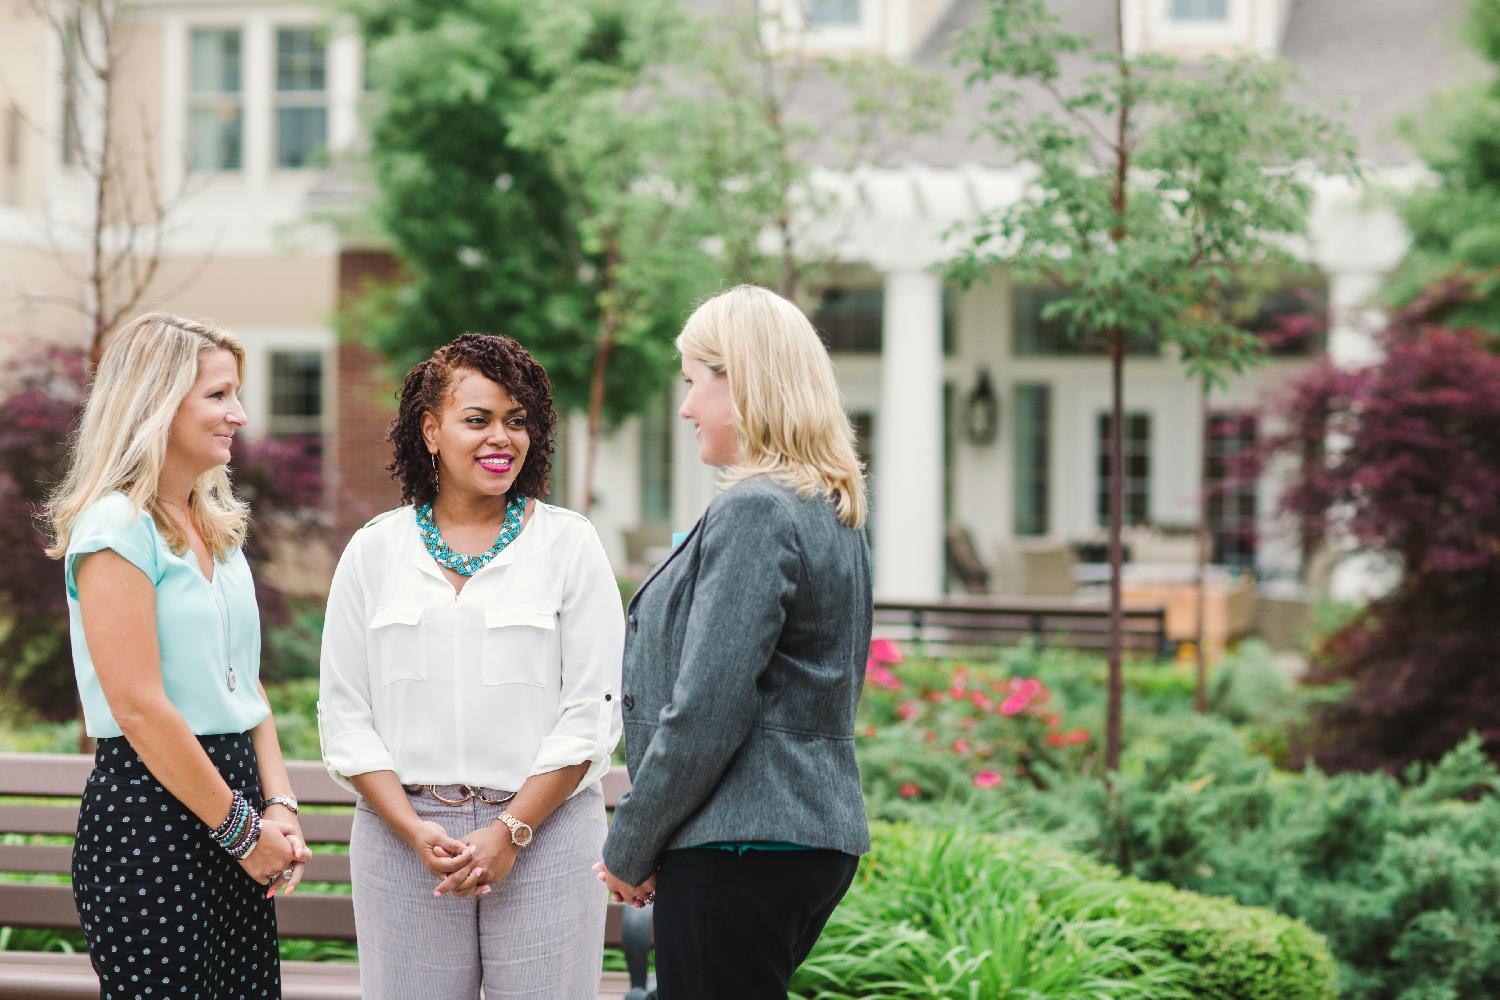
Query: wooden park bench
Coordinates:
[51,785]
[979,626]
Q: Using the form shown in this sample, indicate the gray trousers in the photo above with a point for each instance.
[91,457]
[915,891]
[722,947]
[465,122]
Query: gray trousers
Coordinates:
[537,935]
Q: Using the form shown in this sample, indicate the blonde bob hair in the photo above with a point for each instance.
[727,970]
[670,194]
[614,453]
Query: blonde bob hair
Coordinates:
[788,413]
[121,443]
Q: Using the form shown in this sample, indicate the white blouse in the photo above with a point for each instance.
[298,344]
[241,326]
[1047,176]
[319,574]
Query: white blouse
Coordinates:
[516,674]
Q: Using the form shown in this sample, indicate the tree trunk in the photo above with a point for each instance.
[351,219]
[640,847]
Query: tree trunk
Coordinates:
[1113,717]
[1200,681]
[1118,202]
[609,325]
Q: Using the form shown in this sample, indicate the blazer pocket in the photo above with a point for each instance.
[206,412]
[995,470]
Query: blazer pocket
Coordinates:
[519,642]
[397,652]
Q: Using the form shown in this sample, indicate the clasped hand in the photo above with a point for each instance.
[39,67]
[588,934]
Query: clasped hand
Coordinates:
[280,848]
[469,865]
[623,892]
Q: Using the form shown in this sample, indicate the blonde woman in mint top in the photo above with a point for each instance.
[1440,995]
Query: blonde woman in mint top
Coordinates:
[187,825]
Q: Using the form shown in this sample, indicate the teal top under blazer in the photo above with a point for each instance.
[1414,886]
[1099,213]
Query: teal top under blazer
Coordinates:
[744,661]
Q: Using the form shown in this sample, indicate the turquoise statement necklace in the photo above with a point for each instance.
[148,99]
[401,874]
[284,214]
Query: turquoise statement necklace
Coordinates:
[469,565]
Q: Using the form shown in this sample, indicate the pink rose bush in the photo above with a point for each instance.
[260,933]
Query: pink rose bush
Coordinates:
[937,729]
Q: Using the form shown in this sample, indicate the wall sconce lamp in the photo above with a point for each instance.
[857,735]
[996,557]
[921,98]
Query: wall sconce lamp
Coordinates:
[982,410]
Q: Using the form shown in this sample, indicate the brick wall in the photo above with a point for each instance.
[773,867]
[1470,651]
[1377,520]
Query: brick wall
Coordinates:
[359,484]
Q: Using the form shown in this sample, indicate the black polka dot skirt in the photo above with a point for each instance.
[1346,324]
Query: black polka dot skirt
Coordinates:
[165,911]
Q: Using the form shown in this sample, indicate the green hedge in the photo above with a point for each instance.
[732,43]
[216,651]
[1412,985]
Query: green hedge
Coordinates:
[955,914]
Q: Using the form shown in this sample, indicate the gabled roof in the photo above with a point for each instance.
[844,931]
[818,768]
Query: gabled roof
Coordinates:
[1371,61]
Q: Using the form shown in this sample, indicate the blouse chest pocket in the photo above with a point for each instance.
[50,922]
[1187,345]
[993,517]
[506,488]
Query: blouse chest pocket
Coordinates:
[397,652]
[520,644]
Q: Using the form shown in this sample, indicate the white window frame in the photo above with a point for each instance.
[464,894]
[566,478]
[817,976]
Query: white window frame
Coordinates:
[194,102]
[260,343]
[785,28]
[1167,31]
[302,98]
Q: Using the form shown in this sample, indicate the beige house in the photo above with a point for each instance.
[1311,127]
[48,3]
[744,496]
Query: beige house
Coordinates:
[236,110]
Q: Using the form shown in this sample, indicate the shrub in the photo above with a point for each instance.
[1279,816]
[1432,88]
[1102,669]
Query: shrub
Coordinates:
[1415,476]
[935,730]
[939,914]
[1399,878]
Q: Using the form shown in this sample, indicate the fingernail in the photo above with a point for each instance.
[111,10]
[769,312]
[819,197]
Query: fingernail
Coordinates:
[291,889]
[435,892]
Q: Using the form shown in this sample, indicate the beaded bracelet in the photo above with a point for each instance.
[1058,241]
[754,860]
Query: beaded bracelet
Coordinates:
[240,831]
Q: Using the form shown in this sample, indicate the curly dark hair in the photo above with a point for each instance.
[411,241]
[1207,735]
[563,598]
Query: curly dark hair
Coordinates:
[425,389]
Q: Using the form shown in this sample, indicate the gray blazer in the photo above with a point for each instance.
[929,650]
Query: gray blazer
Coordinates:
[744,659]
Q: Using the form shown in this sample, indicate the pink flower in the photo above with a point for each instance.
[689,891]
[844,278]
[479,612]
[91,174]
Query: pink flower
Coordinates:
[935,696]
[909,791]
[988,779]
[908,710]
[960,746]
[1024,691]
[885,651]
[882,677]
[981,701]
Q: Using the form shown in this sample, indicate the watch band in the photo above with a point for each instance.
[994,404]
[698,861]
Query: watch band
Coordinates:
[281,800]
[520,832]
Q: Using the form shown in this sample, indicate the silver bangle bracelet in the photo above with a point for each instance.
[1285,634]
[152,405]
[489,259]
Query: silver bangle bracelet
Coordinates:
[280,800]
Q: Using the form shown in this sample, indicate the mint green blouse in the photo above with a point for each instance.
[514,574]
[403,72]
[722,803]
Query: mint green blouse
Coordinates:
[202,626]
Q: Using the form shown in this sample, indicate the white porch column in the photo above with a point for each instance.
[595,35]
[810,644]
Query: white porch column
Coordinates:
[1351,297]
[908,502]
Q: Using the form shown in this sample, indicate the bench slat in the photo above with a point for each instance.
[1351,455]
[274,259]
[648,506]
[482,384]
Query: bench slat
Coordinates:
[57,859]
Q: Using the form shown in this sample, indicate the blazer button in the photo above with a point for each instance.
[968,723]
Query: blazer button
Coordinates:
[634,622]
[628,702]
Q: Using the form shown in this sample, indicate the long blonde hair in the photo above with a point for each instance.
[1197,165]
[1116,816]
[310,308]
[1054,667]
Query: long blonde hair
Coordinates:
[788,413]
[121,443]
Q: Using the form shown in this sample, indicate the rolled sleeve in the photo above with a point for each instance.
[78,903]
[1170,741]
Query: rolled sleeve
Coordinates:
[591,630]
[346,727]
[749,565]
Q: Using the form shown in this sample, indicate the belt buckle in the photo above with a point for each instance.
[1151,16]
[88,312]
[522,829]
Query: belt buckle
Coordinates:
[467,793]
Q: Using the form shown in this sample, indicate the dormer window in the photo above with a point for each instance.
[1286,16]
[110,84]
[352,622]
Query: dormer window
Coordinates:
[842,27]
[1194,29]
[1200,11]
[832,14]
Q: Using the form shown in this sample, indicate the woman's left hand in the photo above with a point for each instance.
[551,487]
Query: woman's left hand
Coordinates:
[494,856]
[620,891]
[285,816]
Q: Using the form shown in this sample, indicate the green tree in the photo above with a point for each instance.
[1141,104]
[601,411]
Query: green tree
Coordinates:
[1454,221]
[576,174]
[620,135]
[1155,185]
[493,235]
[782,162]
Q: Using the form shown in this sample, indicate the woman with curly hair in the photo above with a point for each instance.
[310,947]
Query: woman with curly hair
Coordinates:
[471,659]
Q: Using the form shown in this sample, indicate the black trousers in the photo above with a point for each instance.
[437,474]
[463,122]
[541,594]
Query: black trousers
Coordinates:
[736,926]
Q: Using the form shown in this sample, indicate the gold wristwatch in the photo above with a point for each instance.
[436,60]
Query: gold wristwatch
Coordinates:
[520,833]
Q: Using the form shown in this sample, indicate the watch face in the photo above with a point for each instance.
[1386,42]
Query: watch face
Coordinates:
[521,834]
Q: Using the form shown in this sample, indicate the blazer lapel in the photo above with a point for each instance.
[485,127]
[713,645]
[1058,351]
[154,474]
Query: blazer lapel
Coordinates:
[663,565]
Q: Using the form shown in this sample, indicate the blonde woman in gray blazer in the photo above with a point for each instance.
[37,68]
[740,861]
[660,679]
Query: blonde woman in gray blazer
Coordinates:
[744,661]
